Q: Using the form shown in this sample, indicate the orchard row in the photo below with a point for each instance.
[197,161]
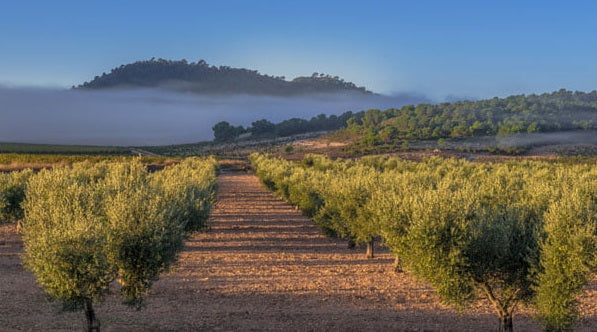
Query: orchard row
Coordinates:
[90,224]
[519,231]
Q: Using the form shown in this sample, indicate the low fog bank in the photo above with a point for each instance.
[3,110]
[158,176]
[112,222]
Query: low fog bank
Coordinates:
[566,137]
[155,116]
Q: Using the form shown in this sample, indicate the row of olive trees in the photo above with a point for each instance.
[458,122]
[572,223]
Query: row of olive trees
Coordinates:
[517,232]
[88,225]
[12,194]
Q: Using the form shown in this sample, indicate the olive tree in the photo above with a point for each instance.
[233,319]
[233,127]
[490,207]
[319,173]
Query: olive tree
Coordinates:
[145,228]
[190,188]
[568,254]
[514,232]
[336,198]
[352,198]
[390,207]
[467,241]
[12,194]
[87,225]
[303,191]
[65,240]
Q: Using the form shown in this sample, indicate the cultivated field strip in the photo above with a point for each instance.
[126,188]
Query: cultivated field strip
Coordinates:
[262,267]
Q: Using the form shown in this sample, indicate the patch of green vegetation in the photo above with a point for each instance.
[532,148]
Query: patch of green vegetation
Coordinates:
[29,159]
[517,232]
[514,116]
[225,132]
[62,149]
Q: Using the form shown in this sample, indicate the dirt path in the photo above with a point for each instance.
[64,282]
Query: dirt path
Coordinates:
[263,266]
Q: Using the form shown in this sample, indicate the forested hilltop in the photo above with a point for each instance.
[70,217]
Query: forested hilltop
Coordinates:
[562,110]
[200,77]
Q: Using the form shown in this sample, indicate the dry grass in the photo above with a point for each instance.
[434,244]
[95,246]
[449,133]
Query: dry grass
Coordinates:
[263,266]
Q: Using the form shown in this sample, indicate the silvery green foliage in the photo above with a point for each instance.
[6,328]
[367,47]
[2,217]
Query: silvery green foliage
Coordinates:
[518,231]
[190,186]
[12,193]
[569,252]
[90,224]
[65,236]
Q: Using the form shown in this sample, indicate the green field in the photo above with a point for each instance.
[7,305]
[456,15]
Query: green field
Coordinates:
[62,149]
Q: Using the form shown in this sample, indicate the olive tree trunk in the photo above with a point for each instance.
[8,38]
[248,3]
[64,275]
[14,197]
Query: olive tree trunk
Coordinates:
[397,264]
[351,243]
[370,248]
[504,310]
[506,323]
[92,323]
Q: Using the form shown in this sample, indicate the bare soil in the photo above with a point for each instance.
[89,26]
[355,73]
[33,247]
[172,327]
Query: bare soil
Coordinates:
[262,266]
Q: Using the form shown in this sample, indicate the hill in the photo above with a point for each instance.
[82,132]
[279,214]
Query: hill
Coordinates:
[200,77]
[513,116]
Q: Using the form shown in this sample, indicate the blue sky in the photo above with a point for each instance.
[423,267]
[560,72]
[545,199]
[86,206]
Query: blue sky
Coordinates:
[438,48]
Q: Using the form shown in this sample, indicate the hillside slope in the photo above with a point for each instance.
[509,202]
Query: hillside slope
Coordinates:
[200,77]
[521,117]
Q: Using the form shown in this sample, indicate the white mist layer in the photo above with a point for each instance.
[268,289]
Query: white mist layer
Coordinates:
[153,116]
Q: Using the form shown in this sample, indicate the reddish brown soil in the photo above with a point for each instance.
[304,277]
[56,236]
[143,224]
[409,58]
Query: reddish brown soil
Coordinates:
[262,266]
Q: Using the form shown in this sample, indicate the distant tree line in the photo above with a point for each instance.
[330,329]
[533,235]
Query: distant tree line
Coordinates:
[562,110]
[225,132]
[201,77]
[557,111]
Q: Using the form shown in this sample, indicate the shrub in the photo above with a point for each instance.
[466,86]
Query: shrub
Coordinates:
[88,225]
[12,194]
